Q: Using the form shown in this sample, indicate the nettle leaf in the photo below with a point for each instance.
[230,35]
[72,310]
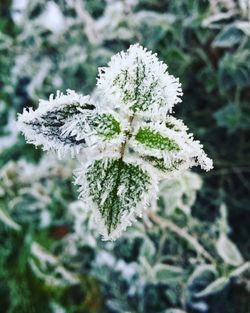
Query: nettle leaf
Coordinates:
[67,122]
[168,147]
[117,190]
[140,81]
[154,139]
[44,126]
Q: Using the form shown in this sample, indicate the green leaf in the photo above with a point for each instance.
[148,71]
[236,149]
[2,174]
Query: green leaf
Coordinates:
[7,220]
[116,188]
[201,277]
[59,123]
[213,288]
[228,251]
[154,139]
[228,37]
[68,121]
[164,272]
[147,249]
[50,123]
[234,70]
[105,125]
[48,268]
[232,118]
[129,95]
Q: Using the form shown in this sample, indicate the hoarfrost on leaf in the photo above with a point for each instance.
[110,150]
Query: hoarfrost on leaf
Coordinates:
[126,137]
[117,191]
[137,81]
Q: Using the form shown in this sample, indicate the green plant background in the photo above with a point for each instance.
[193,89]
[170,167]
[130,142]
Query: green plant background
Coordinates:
[207,45]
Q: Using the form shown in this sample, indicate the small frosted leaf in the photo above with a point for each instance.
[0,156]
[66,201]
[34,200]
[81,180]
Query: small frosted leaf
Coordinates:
[67,123]
[228,251]
[48,268]
[45,126]
[153,139]
[119,192]
[241,270]
[147,249]
[7,220]
[168,147]
[213,288]
[165,273]
[203,275]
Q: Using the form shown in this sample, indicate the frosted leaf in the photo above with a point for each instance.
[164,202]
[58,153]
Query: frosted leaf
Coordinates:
[92,130]
[166,273]
[44,125]
[180,192]
[228,251]
[153,139]
[215,287]
[52,18]
[138,81]
[48,268]
[8,221]
[18,10]
[67,123]
[167,146]
[117,191]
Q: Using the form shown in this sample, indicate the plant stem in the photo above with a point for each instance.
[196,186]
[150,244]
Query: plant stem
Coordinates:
[166,224]
[124,144]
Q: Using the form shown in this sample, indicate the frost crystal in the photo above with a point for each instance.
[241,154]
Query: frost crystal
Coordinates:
[127,138]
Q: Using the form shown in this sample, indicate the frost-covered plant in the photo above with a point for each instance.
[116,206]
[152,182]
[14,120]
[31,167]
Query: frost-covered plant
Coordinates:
[29,191]
[128,140]
[143,262]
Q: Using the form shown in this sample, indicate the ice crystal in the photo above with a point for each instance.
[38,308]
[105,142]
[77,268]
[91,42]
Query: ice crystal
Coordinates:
[127,138]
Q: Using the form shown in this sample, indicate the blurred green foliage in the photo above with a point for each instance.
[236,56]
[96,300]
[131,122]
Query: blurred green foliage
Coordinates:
[150,269]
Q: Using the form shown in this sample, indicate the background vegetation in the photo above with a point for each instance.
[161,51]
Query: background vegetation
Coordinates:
[191,256]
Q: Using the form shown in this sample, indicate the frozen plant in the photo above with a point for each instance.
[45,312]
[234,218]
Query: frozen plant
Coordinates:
[129,140]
